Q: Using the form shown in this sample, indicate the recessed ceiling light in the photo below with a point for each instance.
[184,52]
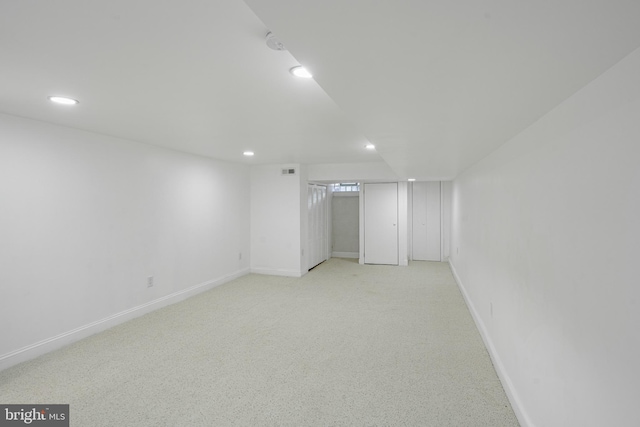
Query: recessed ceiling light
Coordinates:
[63,100]
[370,147]
[300,71]
[248,153]
[411,179]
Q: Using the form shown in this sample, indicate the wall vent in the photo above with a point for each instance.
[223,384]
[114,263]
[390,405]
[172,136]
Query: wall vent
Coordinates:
[288,171]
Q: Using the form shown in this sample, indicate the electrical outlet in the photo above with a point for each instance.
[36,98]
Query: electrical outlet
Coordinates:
[240,255]
[149,281]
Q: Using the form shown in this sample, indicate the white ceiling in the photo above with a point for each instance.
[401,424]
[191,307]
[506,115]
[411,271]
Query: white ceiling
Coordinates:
[436,85]
[196,76]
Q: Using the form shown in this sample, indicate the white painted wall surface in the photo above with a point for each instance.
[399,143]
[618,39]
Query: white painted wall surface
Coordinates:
[86,218]
[351,172]
[278,204]
[546,239]
[303,258]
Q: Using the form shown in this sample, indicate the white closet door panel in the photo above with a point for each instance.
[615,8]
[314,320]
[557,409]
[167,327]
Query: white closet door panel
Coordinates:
[419,223]
[317,234]
[434,227]
[426,226]
[381,223]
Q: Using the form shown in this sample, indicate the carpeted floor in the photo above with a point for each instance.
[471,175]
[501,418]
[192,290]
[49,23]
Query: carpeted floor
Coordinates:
[345,345]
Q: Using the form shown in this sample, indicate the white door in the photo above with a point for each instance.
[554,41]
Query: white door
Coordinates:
[426,221]
[318,230]
[381,223]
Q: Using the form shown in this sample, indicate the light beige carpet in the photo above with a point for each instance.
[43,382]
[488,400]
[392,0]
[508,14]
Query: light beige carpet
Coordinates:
[345,345]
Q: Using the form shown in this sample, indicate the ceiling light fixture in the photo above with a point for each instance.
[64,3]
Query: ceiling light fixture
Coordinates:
[248,153]
[63,100]
[370,147]
[411,179]
[300,71]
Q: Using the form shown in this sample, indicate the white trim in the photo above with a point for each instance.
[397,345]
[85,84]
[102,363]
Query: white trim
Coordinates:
[277,272]
[345,254]
[512,395]
[50,344]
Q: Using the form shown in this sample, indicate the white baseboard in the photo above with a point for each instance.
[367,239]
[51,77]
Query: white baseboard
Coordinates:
[45,346]
[345,255]
[512,395]
[277,272]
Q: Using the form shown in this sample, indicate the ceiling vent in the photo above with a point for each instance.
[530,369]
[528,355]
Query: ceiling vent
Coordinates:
[273,42]
[288,171]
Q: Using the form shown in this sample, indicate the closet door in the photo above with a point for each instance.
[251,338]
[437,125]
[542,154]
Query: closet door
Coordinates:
[426,221]
[381,223]
[317,235]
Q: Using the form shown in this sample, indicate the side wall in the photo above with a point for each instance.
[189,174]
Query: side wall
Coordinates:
[85,219]
[278,216]
[546,238]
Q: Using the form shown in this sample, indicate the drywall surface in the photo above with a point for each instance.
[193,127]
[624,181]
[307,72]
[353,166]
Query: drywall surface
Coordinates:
[277,219]
[303,232]
[85,219]
[545,243]
[351,172]
[345,220]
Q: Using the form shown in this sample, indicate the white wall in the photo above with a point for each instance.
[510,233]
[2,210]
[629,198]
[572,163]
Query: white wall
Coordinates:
[278,218]
[352,172]
[303,215]
[546,239]
[86,218]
